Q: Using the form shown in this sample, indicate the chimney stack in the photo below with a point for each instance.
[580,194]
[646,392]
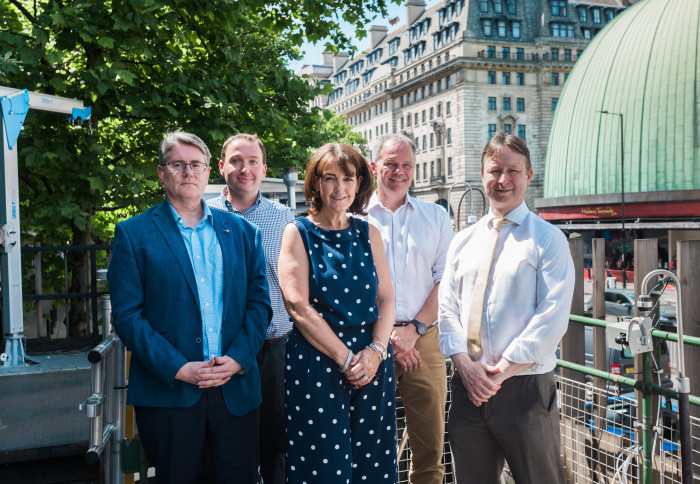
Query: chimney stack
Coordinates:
[339,60]
[414,9]
[376,34]
[328,58]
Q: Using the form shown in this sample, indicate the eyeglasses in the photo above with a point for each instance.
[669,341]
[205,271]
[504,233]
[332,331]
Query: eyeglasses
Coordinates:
[179,167]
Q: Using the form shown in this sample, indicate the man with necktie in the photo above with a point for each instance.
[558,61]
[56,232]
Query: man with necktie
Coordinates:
[504,305]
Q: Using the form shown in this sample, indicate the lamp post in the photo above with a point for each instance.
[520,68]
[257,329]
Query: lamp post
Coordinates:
[290,175]
[622,193]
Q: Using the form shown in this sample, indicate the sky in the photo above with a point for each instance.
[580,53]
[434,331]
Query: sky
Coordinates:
[313,53]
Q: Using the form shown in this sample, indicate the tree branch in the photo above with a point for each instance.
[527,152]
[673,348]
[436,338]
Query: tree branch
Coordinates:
[26,12]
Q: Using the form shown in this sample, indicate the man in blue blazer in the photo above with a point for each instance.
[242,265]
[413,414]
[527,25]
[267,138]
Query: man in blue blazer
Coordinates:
[190,300]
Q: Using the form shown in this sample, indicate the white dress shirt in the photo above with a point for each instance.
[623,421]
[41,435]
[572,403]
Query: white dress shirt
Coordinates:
[416,238]
[528,294]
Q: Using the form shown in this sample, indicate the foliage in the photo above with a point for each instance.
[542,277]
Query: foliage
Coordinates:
[212,67]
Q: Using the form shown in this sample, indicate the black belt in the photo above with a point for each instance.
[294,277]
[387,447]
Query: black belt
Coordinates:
[269,342]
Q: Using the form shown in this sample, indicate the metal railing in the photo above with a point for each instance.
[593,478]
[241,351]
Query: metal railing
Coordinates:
[41,334]
[106,407]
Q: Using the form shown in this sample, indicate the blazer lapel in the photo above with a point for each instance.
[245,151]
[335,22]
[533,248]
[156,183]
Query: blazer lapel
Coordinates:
[225,236]
[163,219]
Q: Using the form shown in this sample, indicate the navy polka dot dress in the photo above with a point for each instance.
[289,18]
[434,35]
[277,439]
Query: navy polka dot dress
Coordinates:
[337,435]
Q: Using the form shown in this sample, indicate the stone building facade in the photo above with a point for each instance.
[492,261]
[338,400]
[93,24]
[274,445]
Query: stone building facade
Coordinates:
[455,73]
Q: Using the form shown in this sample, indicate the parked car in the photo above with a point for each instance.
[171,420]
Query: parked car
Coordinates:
[620,303]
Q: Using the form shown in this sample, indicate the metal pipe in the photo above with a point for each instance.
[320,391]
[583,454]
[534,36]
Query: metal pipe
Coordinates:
[119,410]
[683,381]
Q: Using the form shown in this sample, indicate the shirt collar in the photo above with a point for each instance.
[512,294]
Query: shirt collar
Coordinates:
[230,207]
[207,215]
[517,215]
[375,201]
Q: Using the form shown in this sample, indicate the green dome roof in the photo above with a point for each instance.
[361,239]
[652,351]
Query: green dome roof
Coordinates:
[644,65]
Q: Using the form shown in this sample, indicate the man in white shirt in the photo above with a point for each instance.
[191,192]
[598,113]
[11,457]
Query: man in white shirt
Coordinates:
[502,339]
[416,237]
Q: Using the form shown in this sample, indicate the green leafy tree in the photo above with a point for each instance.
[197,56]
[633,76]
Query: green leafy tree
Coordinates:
[212,67]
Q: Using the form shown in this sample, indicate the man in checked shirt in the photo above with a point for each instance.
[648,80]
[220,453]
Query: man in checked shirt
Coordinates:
[243,165]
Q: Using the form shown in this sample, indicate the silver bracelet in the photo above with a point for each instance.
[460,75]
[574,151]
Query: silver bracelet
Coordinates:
[345,367]
[375,347]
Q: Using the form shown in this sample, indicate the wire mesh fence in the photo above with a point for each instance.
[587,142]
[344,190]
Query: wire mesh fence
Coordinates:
[599,438]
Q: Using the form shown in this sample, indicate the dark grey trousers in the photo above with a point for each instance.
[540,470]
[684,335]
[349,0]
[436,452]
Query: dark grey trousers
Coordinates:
[520,424]
[273,440]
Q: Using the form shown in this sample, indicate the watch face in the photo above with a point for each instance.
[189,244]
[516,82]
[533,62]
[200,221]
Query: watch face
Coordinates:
[420,327]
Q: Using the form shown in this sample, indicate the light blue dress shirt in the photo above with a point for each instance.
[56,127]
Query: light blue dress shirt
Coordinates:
[205,255]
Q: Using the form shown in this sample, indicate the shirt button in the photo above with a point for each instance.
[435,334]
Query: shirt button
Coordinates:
[198,256]
[201,280]
[211,330]
[207,304]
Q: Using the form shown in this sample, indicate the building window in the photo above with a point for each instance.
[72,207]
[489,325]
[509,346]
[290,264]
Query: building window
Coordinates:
[485,24]
[447,82]
[492,130]
[449,166]
[432,140]
[567,55]
[521,131]
[506,104]
[415,96]
[408,120]
[425,142]
[562,30]
[425,170]
[554,52]
[422,92]
[555,100]
[578,53]
[491,51]
[501,28]
[430,89]
[416,120]
[401,101]
[520,104]
[432,168]
[506,128]
[401,122]
[439,138]
[447,108]
[439,112]
[515,29]
[558,8]
[449,136]
[431,113]
[596,15]
[586,33]
[520,53]
[566,76]
[492,77]
[439,85]
[483,5]
[506,78]
[492,104]
[609,15]
[511,7]
[505,52]
[520,78]
[417,144]
[417,172]
[582,14]
[498,6]
[555,78]
[423,116]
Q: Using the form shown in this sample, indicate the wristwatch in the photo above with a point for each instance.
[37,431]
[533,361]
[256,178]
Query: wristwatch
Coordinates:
[420,327]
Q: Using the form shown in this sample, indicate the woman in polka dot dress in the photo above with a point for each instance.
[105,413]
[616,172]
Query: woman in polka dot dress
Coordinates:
[341,420]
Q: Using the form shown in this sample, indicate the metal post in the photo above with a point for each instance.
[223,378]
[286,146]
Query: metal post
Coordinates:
[290,175]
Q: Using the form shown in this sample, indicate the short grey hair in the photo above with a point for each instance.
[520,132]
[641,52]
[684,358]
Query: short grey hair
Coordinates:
[398,139]
[175,138]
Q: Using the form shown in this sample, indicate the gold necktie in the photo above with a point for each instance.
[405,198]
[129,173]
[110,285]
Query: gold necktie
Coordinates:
[476,311]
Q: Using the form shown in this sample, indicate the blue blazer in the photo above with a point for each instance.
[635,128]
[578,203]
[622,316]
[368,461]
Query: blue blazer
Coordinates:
[155,306]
